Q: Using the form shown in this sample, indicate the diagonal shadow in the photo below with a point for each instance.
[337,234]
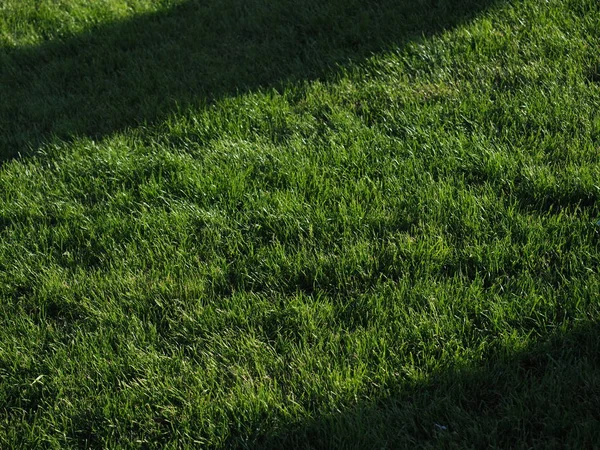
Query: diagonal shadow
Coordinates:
[544,396]
[137,71]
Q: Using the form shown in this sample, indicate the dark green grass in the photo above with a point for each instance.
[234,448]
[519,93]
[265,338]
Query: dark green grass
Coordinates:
[382,238]
[178,54]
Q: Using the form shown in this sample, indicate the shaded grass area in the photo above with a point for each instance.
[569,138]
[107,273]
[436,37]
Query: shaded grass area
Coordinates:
[173,54]
[543,396]
[337,262]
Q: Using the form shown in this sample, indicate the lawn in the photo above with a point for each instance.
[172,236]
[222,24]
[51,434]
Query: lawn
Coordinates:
[299,224]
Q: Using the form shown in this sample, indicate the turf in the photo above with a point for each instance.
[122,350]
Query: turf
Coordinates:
[343,224]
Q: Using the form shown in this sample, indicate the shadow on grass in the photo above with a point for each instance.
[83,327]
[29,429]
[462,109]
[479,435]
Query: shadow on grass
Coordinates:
[137,71]
[545,396]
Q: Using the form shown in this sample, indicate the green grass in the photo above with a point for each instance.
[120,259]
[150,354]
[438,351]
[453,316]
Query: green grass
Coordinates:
[343,224]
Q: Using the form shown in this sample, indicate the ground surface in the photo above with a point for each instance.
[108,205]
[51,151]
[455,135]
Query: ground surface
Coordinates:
[299,224]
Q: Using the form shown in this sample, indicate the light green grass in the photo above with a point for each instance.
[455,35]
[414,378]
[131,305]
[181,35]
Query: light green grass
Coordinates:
[302,225]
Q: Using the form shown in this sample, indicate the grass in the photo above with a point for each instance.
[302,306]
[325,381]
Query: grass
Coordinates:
[233,224]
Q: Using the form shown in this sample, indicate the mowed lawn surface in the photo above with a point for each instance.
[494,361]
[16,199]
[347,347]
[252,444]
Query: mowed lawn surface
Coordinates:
[299,224]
